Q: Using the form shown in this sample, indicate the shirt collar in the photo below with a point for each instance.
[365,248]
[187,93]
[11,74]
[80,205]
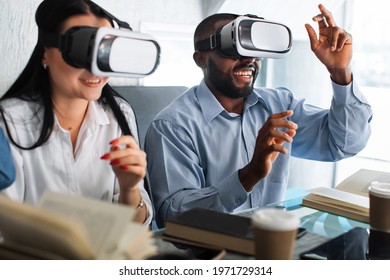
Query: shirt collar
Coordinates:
[98,113]
[95,116]
[211,107]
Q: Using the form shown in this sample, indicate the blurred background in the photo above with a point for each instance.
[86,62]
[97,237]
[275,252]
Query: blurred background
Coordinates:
[173,22]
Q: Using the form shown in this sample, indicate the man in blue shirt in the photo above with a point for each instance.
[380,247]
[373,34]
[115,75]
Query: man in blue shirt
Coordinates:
[7,170]
[225,145]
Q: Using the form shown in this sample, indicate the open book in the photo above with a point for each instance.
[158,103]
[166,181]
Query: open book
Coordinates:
[62,226]
[349,198]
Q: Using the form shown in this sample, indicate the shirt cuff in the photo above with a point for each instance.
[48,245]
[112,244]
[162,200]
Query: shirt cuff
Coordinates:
[231,192]
[347,94]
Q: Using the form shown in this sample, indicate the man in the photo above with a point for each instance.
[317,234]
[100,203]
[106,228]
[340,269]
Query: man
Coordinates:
[224,145]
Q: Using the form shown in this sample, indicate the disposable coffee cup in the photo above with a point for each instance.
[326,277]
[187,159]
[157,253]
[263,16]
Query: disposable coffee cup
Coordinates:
[379,195]
[274,231]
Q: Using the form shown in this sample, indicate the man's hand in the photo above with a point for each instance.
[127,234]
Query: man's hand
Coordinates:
[269,144]
[333,47]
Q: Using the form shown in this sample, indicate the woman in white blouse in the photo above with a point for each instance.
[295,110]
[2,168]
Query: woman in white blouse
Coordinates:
[69,130]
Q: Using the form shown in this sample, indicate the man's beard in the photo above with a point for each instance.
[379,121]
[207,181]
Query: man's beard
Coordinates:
[223,82]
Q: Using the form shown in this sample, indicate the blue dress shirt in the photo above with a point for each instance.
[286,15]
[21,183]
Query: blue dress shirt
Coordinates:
[7,170]
[195,147]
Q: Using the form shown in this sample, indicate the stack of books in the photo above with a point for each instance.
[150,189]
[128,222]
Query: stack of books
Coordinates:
[208,227]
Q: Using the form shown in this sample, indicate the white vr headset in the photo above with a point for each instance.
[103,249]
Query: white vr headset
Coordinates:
[106,51]
[249,36]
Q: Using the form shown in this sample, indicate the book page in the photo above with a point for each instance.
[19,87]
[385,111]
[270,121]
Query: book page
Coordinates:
[343,197]
[42,232]
[138,242]
[105,223]
[359,182]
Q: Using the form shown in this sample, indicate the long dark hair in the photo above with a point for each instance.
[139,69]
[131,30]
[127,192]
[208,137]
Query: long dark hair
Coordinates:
[33,83]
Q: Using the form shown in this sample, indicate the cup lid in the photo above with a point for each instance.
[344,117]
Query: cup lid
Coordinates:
[380,189]
[275,219]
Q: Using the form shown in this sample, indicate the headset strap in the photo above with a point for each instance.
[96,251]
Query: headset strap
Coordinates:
[213,42]
[120,23]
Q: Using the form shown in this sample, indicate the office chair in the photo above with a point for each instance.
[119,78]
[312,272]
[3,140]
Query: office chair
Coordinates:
[147,102]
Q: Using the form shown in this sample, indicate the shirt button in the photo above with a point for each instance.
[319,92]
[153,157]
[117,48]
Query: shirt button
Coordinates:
[251,147]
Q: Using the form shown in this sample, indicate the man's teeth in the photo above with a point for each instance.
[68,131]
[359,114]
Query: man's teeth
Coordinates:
[243,73]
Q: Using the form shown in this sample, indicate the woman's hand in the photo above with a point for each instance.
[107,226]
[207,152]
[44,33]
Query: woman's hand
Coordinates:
[128,162]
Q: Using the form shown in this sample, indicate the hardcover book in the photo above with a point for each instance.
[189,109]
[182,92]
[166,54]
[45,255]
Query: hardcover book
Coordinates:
[214,228]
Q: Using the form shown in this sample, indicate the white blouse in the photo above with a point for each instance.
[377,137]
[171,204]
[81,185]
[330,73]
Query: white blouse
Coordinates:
[54,166]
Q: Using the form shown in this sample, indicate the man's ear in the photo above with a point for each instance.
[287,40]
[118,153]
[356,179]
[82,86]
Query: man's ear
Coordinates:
[199,59]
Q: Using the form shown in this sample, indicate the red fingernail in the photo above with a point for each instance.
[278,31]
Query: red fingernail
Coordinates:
[123,167]
[105,156]
[114,162]
[114,142]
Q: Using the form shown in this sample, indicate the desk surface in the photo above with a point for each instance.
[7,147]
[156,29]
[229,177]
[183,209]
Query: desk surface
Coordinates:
[320,226]
[168,250]
[315,221]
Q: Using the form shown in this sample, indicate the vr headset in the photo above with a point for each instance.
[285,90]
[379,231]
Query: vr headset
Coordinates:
[106,51]
[249,36]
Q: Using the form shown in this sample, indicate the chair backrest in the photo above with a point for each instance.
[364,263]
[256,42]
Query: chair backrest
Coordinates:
[147,101]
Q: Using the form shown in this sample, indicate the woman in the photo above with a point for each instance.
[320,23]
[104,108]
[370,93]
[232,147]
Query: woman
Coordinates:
[69,130]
